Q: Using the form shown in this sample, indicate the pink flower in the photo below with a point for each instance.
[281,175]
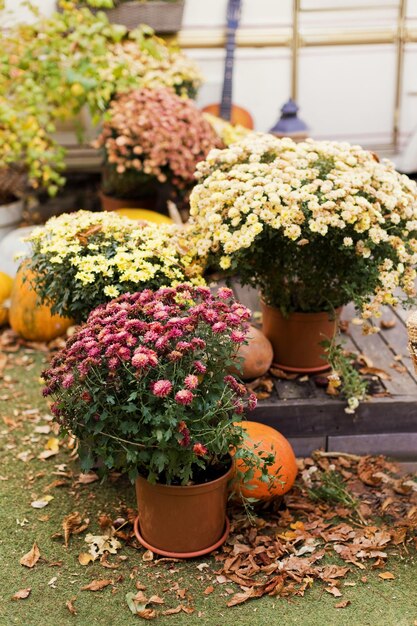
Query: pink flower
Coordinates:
[224,293]
[68,381]
[191,381]
[238,406]
[199,449]
[144,357]
[210,315]
[161,388]
[198,342]
[184,396]
[113,363]
[55,409]
[124,353]
[161,342]
[184,345]
[252,401]
[235,385]
[237,336]
[150,336]
[139,360]
[232,319]
[175,355]
[200,367]
[219,327]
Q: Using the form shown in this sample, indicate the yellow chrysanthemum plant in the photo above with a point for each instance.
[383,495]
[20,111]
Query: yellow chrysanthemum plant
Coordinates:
[313,225]
[82,260]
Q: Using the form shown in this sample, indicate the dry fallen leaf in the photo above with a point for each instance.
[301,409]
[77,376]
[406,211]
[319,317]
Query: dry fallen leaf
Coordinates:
[73,524]
[42,503]
[147,614]
[97,585]
[375,371]
[46,454]
[386,324]
[156,600]
[21,594]
[137,603]
[147,556]
[208,590]
[239,598]
[386,576]
[279,373]
[99,544]
[70,605]
[31,558]
[84,558]
[178,609]
[52,444]
[334,591]
[342,605]
[86,479]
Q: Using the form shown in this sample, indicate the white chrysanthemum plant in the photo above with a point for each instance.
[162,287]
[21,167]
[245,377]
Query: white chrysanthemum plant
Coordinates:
[313,225]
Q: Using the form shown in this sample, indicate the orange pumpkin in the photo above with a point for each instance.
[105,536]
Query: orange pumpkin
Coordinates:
[263,438]
[257,355]
[28,318]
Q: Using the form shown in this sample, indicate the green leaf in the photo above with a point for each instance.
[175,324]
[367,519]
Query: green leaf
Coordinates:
[133,605]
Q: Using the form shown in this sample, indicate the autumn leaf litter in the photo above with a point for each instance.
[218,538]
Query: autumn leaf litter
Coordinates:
[323,531]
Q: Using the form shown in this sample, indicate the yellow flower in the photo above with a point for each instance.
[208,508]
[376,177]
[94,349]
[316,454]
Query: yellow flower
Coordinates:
[110,291]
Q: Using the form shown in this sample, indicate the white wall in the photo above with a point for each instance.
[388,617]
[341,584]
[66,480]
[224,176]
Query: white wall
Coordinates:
[345,91]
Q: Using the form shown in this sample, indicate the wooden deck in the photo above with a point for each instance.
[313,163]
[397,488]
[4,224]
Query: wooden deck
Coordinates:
[384,424]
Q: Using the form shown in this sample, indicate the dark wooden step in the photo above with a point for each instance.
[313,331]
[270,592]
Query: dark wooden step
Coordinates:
[311,419]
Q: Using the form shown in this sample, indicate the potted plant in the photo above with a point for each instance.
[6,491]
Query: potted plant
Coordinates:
[143,386]
[313,225]
[29,160]
[71,61]
[164,16]
[80,260]
[151,138]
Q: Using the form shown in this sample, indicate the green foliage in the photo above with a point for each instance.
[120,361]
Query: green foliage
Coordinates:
[52,69]
[353,386]
[330,487]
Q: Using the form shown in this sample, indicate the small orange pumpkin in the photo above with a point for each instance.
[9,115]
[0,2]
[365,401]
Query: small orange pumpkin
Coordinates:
[28,318]
[257,355]
[263,438]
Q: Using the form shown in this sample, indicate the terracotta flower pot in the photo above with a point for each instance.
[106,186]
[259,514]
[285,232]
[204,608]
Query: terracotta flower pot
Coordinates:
[111,203]
[296,339]
[182,521]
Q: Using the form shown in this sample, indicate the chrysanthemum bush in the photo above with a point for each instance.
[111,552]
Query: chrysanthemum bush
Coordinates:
[81,260]
[314,225]
[153,136]
[143,385]
[70,61]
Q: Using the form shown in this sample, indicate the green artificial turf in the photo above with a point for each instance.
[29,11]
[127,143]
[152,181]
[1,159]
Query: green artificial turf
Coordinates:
[374,602]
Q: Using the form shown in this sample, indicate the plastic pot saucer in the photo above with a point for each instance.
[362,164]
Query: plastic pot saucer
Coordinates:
[303,370]
[181,555]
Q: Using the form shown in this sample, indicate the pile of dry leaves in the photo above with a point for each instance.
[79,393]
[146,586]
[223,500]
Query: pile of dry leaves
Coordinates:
[359,509]
[345,512]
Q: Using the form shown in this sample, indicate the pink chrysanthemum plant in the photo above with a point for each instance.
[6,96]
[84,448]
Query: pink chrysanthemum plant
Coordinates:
[144,385]
[151,137]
